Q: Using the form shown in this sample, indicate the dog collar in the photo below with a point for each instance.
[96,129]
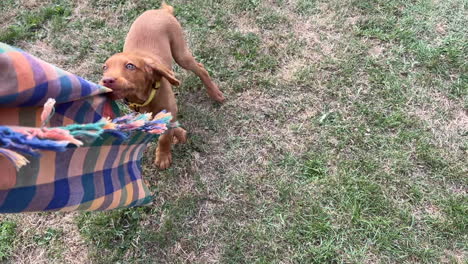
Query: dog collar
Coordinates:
[150,98]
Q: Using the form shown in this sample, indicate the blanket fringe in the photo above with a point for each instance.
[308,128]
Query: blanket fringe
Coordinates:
[29,140]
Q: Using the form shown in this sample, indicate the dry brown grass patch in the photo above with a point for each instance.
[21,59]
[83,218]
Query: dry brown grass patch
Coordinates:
[446,118]
[30,224]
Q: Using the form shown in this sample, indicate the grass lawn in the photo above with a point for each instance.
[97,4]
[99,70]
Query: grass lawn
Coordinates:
[343,138]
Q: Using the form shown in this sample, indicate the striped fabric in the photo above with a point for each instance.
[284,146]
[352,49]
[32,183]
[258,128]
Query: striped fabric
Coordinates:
[28,81]
[101,175]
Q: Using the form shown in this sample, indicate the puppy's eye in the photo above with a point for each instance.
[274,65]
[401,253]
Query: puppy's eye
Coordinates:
[104,68]
[130,66]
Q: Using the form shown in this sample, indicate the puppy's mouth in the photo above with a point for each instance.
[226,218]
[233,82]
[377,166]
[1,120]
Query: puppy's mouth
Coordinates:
[117,95]
[119,90]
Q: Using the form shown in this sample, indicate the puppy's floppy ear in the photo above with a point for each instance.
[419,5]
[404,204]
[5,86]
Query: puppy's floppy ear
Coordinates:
[154,66]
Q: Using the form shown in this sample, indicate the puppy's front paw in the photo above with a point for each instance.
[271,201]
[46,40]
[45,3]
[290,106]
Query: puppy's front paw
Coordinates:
[180,135]
[163,159]
[216,94]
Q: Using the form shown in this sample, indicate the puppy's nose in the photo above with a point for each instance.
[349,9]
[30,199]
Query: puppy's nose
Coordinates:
[108,81]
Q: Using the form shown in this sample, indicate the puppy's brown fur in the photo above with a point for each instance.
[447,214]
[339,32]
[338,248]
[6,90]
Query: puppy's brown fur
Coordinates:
[155,39]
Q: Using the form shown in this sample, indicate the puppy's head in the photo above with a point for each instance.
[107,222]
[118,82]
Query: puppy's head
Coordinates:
[129,74]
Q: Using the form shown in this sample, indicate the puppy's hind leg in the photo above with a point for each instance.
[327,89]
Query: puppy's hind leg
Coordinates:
[185,59]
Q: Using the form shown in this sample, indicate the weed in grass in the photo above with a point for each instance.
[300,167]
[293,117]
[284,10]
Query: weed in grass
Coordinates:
[46,238]
[51,241]
[315,169]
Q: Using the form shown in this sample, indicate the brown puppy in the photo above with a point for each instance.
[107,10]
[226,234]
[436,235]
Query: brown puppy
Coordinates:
[154,40]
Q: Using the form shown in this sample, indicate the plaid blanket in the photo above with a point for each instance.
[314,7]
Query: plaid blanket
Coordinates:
[103,174]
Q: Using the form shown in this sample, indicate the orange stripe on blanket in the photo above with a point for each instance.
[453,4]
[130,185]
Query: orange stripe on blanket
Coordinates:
[24,72]
[100,162]
[129,188]
[46,168]
[96,204]
[9,117]
[130,152]
[118,157]
[115,199]
[141,194]
[78,157]
[50,71]
[8,180]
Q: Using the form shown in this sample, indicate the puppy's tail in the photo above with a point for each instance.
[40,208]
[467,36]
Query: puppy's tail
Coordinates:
[167,8]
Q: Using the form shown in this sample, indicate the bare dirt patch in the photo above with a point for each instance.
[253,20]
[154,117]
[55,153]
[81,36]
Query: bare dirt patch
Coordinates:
[246,24]
[446,118]
[457,257]
[376,51]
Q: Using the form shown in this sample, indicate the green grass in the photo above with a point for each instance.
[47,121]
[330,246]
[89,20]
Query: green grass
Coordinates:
[306,7]
[30,23]
[343,139]
[51,241]
[113,234]
[7,236]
